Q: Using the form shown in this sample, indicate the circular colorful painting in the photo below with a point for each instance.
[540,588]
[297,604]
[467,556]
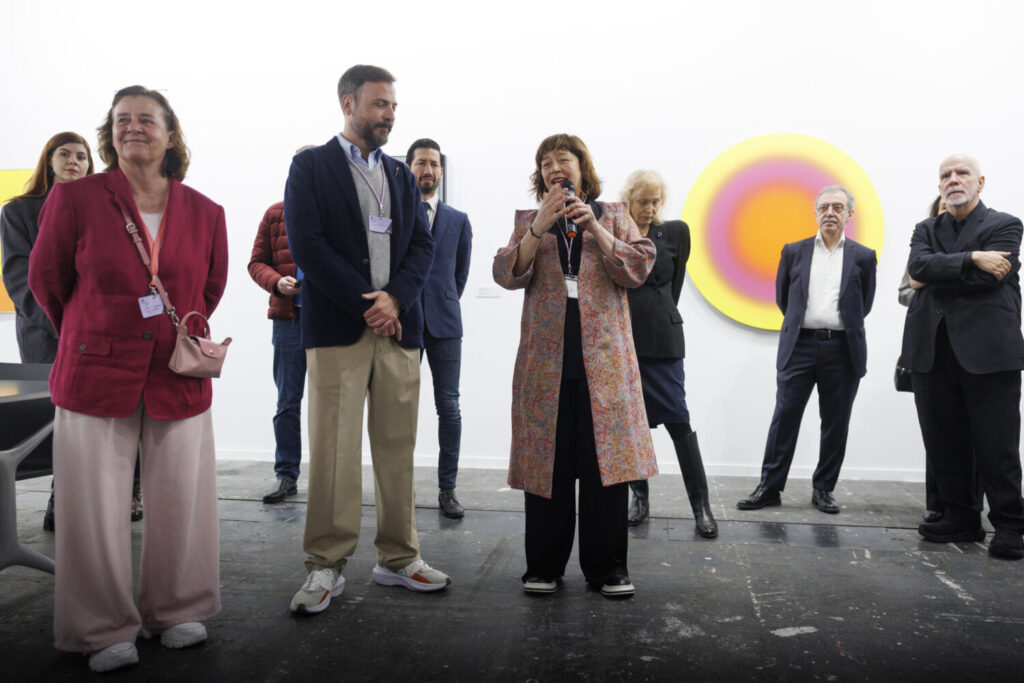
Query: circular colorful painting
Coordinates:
[754,198]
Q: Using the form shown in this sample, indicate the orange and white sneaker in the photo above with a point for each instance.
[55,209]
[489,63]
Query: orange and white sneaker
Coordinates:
[315,595]
[418,576]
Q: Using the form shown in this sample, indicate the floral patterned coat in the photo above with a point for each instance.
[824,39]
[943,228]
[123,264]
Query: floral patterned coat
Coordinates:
[625,451]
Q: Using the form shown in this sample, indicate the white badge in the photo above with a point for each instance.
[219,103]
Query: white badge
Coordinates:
[380,224]
[570,287]
[151,305]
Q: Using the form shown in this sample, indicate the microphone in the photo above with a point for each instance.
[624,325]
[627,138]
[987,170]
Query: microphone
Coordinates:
[570,227]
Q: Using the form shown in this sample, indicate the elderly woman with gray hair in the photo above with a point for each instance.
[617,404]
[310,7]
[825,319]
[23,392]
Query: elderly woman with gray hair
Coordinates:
[660,348]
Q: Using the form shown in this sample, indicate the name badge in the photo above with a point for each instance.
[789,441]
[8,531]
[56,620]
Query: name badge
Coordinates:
[151,305]
[571,289]
[380,224]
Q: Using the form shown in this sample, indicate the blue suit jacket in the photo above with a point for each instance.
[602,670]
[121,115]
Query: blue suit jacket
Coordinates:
[453,244]
[328,242]
[856,294]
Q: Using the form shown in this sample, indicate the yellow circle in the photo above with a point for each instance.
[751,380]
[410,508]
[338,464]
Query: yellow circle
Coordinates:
[827,158]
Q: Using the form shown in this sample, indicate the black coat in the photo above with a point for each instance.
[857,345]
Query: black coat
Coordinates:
[19,227]
[657,325]
[982,314]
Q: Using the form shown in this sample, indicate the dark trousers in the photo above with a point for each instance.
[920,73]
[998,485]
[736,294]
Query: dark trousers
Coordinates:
[551,523]
[959,413]
[444,356]
[824,363]
[290,378]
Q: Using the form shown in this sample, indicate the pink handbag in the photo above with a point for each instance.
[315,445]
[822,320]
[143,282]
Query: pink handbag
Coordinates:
[193,356]
[197,356]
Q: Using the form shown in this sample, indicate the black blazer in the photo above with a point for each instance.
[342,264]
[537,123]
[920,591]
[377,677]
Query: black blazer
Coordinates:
[19,227]
[856,294]
[982,314]
[657,325]
[328,241]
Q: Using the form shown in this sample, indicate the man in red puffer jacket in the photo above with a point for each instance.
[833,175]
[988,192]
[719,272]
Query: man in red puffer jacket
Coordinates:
[272,268]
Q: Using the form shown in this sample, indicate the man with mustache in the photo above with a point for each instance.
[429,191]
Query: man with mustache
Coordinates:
[824,287]
[965,350]
[442,333]
[358,232]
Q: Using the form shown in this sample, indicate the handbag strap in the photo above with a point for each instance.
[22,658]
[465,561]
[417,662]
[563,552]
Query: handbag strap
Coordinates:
[155,285]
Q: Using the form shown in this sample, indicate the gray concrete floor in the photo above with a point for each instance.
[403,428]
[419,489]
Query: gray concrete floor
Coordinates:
[784,594]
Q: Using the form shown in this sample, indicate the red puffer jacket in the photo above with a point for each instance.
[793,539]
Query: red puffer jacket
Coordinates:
[271,260]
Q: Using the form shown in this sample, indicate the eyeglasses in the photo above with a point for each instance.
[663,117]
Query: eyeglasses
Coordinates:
[837,207]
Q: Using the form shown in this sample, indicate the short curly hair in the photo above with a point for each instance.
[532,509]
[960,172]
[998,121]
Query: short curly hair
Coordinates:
[590,184]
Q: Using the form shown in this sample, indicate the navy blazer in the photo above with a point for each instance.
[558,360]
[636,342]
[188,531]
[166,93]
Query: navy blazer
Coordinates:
[982,314]
[328,241]
[856,294]
[453,245]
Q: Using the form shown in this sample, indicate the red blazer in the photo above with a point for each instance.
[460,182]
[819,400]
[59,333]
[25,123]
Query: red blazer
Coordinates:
[87,275]
[271,260]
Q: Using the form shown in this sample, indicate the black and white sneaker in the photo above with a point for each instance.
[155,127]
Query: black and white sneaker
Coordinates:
[618,587]
[536,584]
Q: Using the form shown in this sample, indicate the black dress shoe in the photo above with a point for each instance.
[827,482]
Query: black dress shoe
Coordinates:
[824,501]
[450,505]
[953,529]
[1006,544]
[931,516]
[762,497]
[284,489]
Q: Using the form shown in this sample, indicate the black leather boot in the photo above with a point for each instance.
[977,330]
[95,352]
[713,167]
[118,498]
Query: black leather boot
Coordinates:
[48,518]
[688,455]
[640,508]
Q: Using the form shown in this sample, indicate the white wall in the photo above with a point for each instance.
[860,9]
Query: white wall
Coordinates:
[896,85]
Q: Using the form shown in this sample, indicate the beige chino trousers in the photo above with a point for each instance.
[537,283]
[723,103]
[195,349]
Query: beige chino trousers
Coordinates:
[179,580]
[376,371]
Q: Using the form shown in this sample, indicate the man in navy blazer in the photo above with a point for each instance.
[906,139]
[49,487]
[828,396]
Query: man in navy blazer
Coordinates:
[442,334]
[824,287]
[358,232]
[964,346]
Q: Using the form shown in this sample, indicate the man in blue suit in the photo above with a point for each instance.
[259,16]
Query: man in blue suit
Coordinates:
[358,232]
[824,287]
[442,315]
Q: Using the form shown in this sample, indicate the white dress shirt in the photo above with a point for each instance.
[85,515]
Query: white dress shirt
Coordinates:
[823,286]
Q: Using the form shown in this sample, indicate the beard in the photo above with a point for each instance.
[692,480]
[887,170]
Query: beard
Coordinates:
[428,186]
[374,134]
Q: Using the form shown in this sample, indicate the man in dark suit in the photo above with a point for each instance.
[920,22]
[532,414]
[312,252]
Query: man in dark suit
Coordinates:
[358,232]
[442,315]
[824,287]
[965,350]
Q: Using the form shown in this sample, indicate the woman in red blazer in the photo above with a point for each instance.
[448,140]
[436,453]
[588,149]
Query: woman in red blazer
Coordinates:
[114,391]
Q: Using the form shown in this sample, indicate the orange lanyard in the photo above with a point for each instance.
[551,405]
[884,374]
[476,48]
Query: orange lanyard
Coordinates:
[154,247]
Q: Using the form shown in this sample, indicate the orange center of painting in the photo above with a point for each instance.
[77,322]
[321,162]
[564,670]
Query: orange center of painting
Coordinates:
[775,215]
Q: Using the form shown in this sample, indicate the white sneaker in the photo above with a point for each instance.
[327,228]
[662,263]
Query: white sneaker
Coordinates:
[116,656]
[418,576]
[315,595]
[185,634]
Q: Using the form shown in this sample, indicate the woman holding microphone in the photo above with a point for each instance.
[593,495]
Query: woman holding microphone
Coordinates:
[577,407]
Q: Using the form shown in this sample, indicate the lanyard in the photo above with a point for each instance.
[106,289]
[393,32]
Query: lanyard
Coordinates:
[568,250]
[383,185]
[154,247]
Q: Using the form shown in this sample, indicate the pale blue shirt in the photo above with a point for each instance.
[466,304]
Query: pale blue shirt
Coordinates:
[352,152]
